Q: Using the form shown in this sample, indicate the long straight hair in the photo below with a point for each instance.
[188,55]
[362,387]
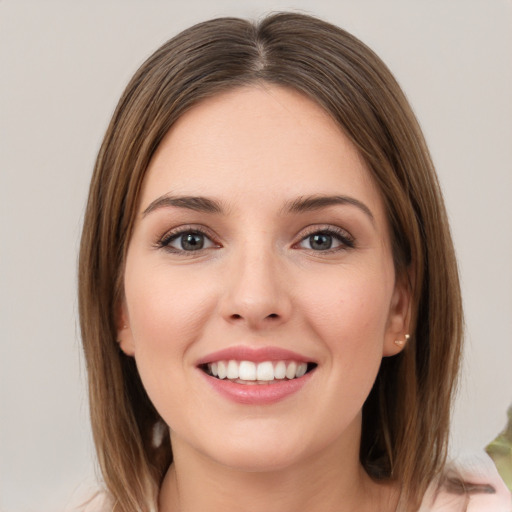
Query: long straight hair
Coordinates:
[406,416]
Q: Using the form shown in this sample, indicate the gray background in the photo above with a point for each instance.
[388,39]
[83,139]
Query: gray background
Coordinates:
[63,66]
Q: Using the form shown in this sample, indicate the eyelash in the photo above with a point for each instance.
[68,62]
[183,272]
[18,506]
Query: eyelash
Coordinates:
[170,236]
[343,237]
[345,240]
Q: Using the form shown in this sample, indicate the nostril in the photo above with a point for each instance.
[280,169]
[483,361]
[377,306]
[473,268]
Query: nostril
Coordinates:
[236,316]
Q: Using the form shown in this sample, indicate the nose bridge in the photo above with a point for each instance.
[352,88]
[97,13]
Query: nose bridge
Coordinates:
[256,292]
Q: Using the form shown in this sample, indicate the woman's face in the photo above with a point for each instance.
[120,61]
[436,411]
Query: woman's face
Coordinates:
[261,250]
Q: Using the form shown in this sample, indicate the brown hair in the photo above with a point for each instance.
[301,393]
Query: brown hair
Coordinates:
[406,416]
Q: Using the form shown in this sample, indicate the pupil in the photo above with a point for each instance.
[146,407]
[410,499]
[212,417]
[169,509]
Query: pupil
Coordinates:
[320,242]
[192,241]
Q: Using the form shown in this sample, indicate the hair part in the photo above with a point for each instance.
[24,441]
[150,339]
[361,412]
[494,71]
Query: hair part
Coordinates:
[406,417]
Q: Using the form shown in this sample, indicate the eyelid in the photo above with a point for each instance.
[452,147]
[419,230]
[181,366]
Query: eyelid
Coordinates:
[174,233]
[347,241]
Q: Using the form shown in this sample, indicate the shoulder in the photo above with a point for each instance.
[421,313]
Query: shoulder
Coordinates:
[90,498]
[472,484]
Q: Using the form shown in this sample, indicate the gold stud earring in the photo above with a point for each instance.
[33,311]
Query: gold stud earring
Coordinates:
[401,343]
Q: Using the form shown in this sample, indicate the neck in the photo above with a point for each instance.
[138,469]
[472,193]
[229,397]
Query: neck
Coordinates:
[329,481]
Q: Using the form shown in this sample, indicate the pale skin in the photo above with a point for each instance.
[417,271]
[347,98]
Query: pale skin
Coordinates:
[270,266]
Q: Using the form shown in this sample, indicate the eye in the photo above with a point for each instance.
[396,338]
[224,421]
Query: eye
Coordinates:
[187,241]
[327,240]
[319,242]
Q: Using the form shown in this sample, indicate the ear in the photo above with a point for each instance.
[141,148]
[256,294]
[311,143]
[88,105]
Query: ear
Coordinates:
[124,332]
[397,330]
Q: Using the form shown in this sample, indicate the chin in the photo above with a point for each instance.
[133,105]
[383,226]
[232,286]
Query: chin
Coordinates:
[251,460]
[254,446]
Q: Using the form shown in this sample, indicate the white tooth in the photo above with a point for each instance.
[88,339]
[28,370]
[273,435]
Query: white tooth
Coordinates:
[247,370]
[232,371]
[221,369]
[280,370]
[213,369]
[290,370]
[301,370]
[265,371]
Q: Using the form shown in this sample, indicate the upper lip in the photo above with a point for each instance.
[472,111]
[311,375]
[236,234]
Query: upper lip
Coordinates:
[255,354]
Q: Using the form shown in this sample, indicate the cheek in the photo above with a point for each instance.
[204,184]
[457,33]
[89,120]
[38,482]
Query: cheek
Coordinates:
[349,297]
[349,312]
[165,307]
[167,312]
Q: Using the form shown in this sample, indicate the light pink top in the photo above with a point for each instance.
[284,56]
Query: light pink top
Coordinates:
[475,470]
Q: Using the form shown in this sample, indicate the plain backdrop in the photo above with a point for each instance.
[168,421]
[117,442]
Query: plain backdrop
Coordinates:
[63,66]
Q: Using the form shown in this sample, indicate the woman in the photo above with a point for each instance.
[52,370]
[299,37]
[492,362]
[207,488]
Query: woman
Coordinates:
[269,298]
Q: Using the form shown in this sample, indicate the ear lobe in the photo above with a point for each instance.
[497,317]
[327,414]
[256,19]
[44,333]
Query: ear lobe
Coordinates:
[397,331]
[124,332]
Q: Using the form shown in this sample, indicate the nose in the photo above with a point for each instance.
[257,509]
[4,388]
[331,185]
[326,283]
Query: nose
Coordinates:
[257,293]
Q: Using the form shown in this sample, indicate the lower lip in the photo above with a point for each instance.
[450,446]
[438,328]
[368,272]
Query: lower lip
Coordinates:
[257,394]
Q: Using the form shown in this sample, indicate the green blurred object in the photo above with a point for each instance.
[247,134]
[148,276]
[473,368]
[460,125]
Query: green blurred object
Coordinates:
[500,451]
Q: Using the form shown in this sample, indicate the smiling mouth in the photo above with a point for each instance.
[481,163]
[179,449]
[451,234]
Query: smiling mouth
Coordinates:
[249,372]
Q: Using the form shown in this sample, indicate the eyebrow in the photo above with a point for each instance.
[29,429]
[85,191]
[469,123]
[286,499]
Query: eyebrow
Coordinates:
[317,202]
[196,203]
[302,204]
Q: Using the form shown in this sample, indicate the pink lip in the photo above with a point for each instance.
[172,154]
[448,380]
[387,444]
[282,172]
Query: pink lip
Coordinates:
[257,355]
[257,394]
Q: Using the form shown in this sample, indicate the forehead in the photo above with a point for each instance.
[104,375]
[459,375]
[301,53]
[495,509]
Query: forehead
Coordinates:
[258,141]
